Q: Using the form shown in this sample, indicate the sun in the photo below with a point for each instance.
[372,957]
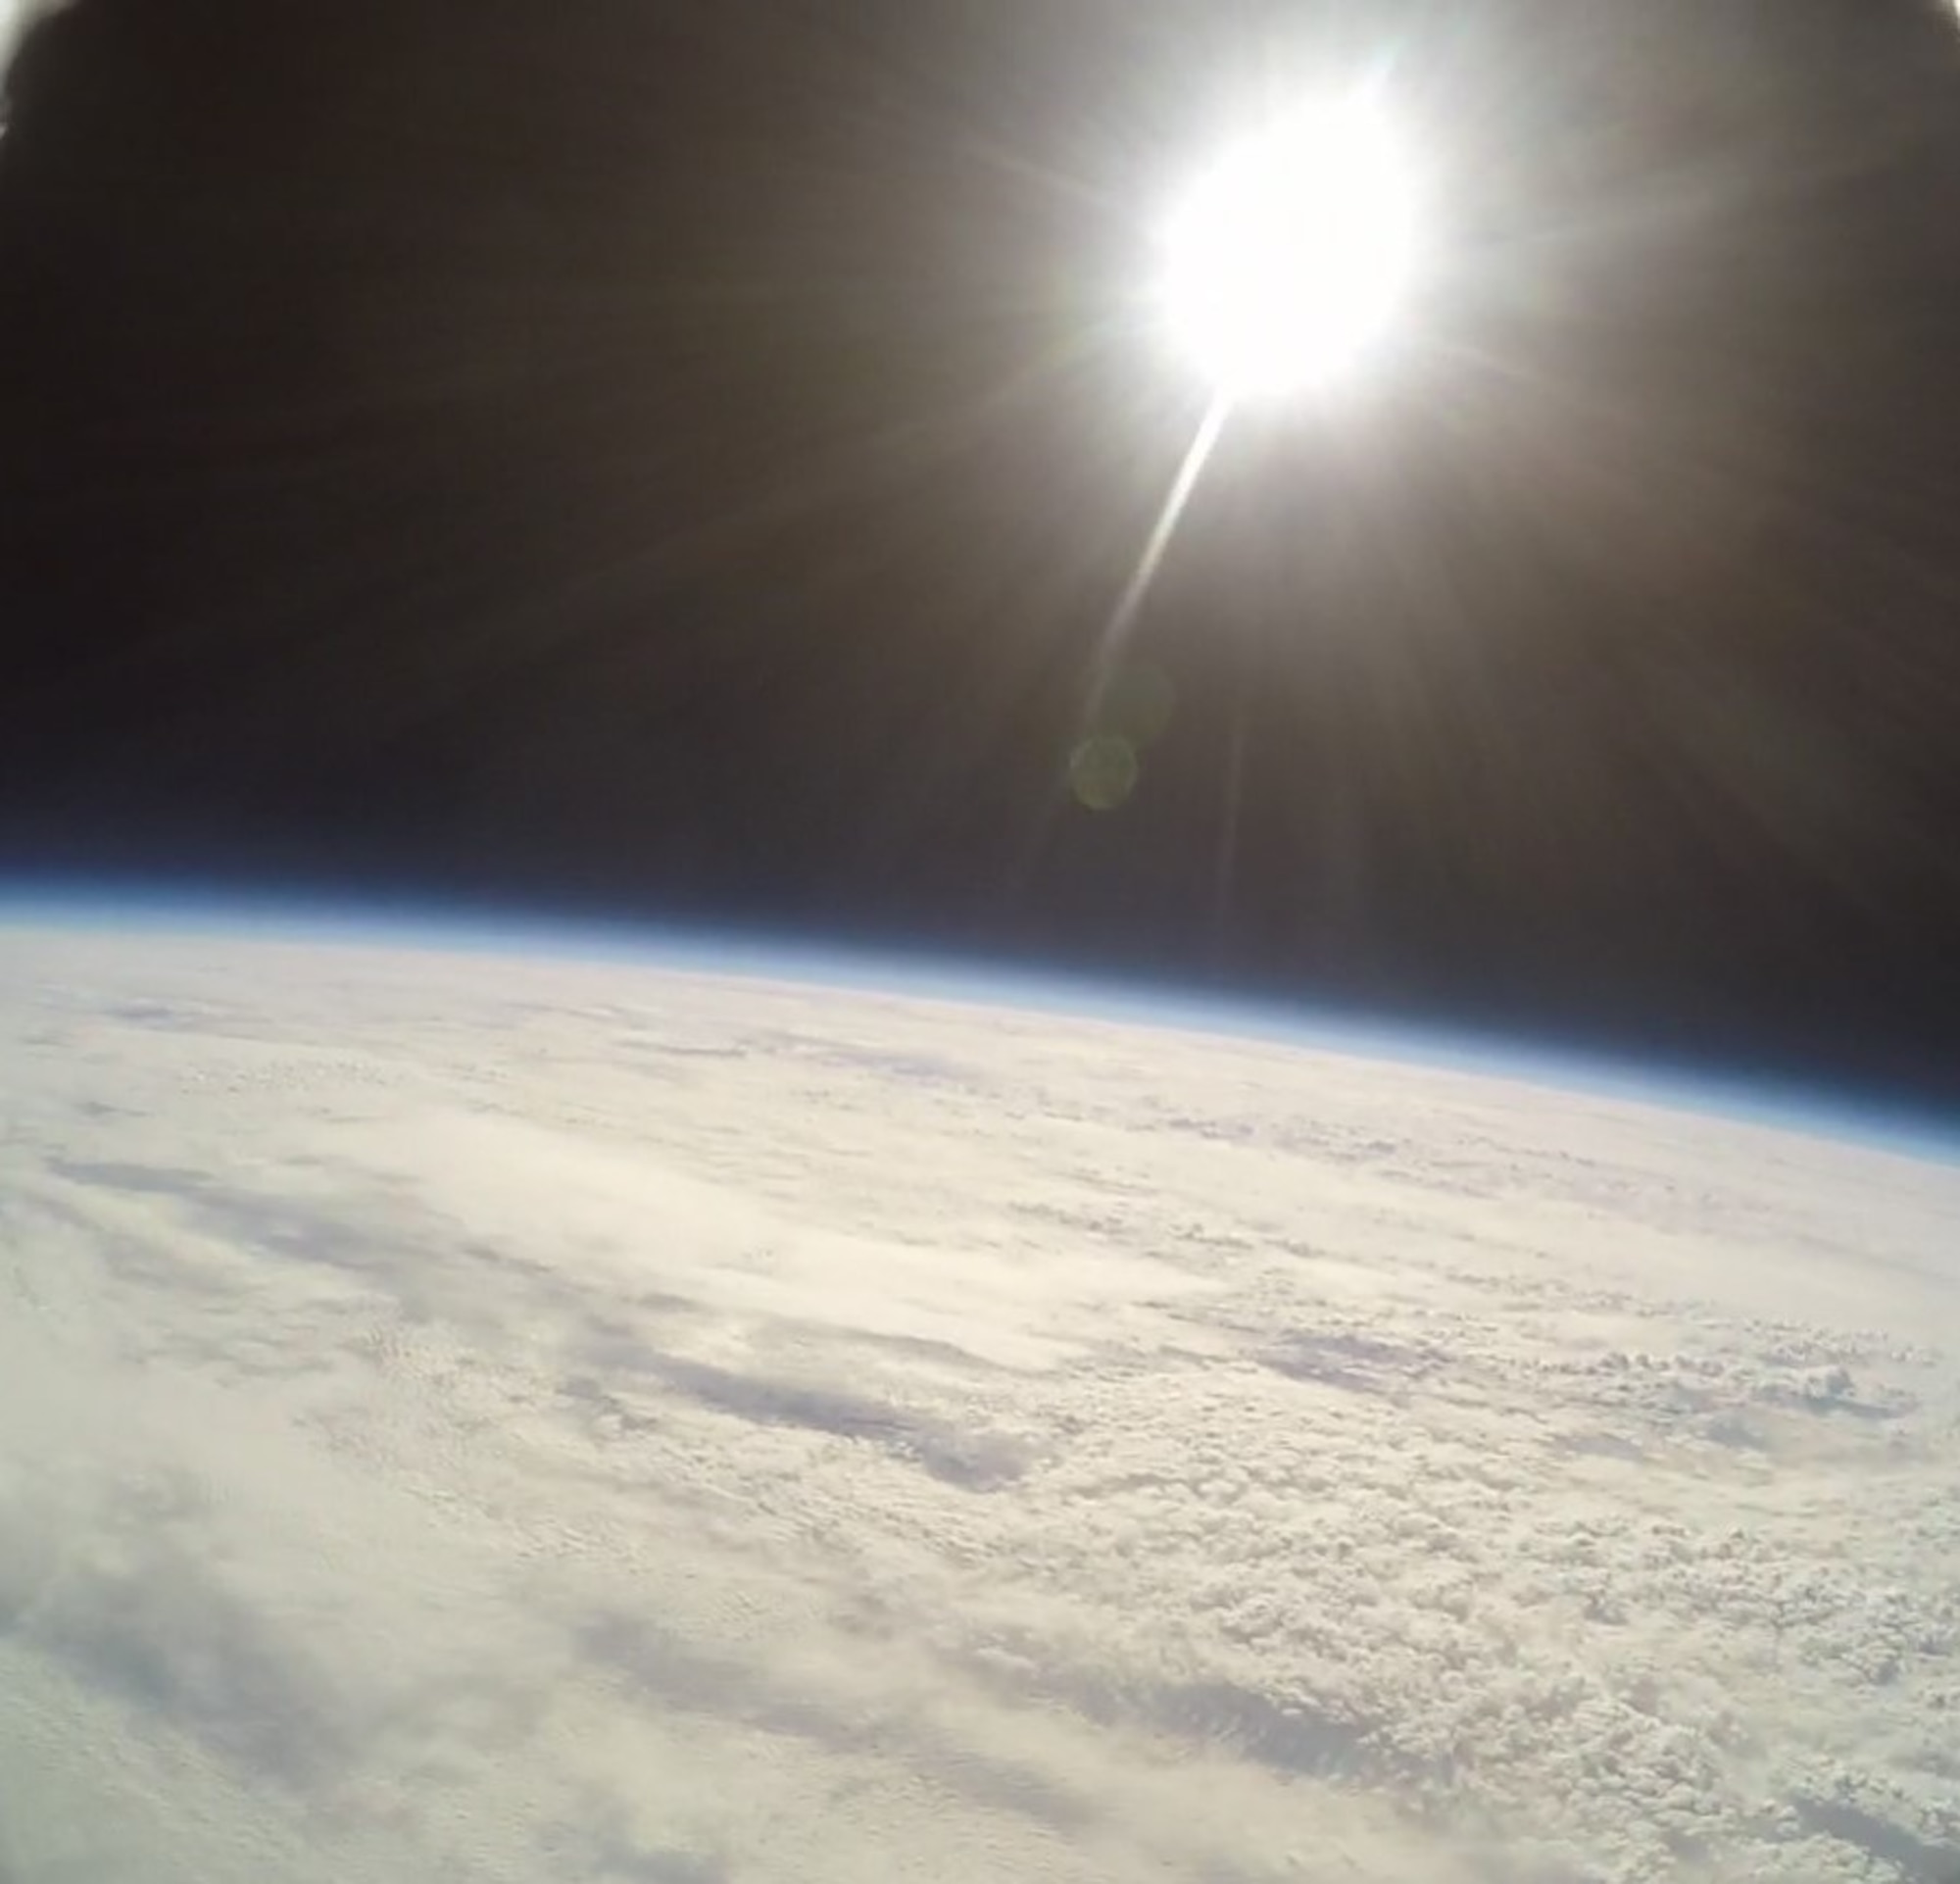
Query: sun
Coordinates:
[1286,262]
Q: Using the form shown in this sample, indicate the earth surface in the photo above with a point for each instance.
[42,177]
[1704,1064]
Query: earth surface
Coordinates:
[472,1416]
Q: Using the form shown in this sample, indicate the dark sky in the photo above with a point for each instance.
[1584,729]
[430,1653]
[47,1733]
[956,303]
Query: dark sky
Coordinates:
[680,459]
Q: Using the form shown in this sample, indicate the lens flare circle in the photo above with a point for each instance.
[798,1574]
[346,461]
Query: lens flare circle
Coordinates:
[1287,261]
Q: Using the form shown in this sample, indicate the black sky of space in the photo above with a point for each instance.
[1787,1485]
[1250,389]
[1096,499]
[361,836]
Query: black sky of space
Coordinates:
[679,458]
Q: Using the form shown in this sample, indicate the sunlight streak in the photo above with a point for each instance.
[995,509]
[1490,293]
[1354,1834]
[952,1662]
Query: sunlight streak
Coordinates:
[1123,616]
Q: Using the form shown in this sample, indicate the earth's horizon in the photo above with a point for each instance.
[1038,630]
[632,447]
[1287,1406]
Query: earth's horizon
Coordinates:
[496,1416]
[1564,1060]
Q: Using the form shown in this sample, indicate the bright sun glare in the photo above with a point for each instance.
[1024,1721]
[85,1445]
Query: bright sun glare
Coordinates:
[1285,262]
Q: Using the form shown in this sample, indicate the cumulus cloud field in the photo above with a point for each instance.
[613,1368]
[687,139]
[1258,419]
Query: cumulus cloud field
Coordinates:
[467,1418]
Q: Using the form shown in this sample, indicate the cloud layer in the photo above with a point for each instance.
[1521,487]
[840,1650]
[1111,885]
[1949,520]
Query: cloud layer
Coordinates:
[492,1419]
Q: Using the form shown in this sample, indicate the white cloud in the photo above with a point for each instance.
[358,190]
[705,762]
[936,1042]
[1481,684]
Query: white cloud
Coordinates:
[491,1417]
